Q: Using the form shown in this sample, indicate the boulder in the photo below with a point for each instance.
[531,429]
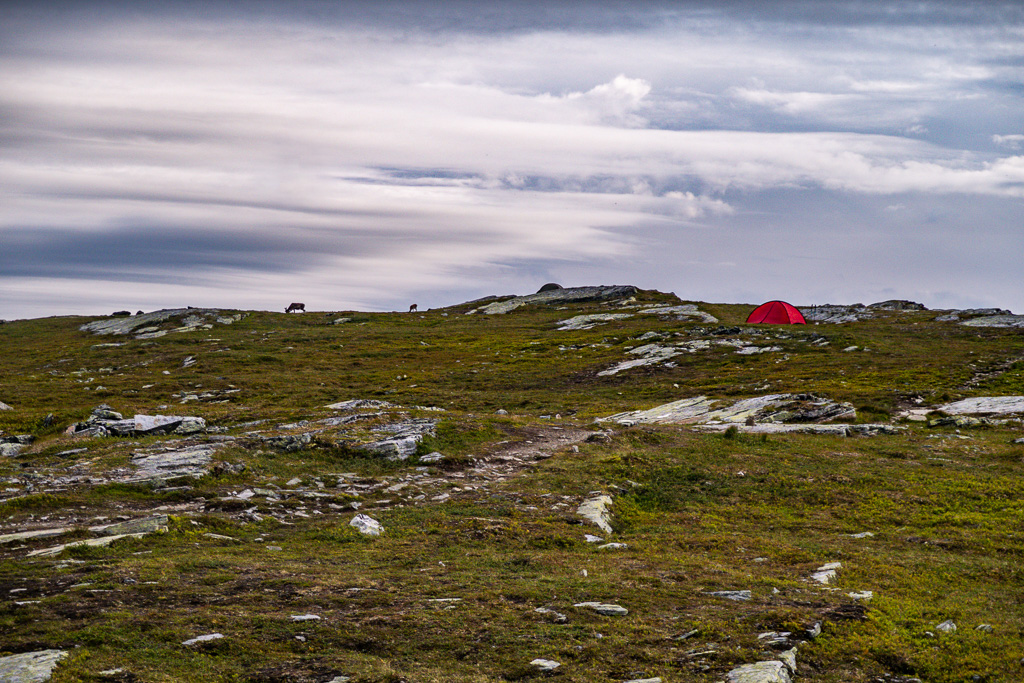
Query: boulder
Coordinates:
[760,672]
[608,610]
[985,405]
[365,524]
[4,406]
[771,408]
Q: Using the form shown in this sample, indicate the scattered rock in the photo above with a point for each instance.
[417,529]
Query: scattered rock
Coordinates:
[656,679]
[10,450]
[738,596]
[171,463]
[586,322]
[825,573]
[649,354]
[432,457]
[557,616]
[203,639]
[305,617]
[606,609]
[687,312]
[151,325]
[947,626]
[596,510]
[545,665]
[760,672]
[366,525]
[142,525]
[861,595]
[984,628]
[30,667]
[4,406]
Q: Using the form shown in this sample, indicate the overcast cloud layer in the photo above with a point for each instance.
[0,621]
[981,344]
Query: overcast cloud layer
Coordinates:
[358,157]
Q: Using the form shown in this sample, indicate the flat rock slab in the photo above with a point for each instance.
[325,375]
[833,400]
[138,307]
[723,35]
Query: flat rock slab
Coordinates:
[186,461]
[607,609]
[985,405]
[90,543]
[681,312]
[596,510]
[38,533]
[648,354]
[585,322]
[30,667]
[772,409]
[760,672]
[557,296]
[996,321]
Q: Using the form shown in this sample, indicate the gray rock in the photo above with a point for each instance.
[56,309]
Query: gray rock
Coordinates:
[596,510]
[10,450]
[360,404]
[760,672]
[948,626]
[432,457]
[996,321]
[545,665]
[38,533]
[656,679]
[30,667]
[607,609]
[288,443]
[397,448]
[648,354]
[772,408]
[683,312]
[825,573]
[365,524]
[836,314]
[305,617]
[586,322]
[142,525]
[1018,441]
[898,305]
[4,406]
[984,628]
[789,659]
[557,616]
[558,296]
[985,405]
[89,543]
[198,640]
[737,596]
[186,461]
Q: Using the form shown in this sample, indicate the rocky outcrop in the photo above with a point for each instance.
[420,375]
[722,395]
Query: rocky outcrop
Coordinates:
[558,296]
[996,321]
[405,440]
[772,408]
[159,323]
[585,322]
[985,405]
[596,510]
[686,312]
[173,462]
[4,406]
[104,421]
[30,667]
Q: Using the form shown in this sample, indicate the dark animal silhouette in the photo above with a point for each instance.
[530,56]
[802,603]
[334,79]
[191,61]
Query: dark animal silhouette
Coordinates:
[295,307]
[412,308]
[121,313]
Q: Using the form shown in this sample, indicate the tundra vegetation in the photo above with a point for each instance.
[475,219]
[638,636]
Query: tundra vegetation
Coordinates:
[474,576]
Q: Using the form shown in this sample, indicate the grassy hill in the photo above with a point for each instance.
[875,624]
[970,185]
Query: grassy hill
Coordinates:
[484,560]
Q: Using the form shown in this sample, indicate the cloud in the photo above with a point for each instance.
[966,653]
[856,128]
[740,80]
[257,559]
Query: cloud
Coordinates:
[1011,141]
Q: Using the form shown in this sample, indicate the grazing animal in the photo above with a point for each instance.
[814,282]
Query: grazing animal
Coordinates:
[295,307]
[412,308]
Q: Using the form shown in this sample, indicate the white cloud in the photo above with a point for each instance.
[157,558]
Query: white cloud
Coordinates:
[1011,141]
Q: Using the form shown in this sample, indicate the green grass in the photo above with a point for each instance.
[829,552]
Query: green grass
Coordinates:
[698,512]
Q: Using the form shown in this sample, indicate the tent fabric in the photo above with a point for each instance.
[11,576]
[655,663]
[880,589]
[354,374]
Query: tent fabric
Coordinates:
[776,313]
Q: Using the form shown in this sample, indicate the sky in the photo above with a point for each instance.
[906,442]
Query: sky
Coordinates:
[367,156]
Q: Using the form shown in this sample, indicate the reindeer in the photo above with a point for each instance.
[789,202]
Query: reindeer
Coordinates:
[412,309]
[295,307]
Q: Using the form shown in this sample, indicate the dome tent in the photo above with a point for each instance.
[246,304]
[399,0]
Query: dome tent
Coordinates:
[776,313]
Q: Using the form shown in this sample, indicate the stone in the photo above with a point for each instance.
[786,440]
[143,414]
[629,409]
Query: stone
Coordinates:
[198,640]
[760,672]
[649,354]
[432,457]
[898,305]
[985,405]
[862,595]
[185,461]
[612,546]
[366,525]
[305,617]
[984,628]
[681,313]
[288,443]
[89,543]
[947,626]
[607,609]
[833,314]
[30,667]
[596,510]
[360,404]
[789,659]
[10,450]
[396,448]
[38,533]
[557,296]
[4,406]
[586,322]
[656,679]
[737,596]
[771,408]
[825,573]
[142,525]
[863,534]
[996,321]
[557,616]
[545,665]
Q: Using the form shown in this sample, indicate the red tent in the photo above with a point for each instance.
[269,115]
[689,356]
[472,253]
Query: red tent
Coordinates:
[776,313]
